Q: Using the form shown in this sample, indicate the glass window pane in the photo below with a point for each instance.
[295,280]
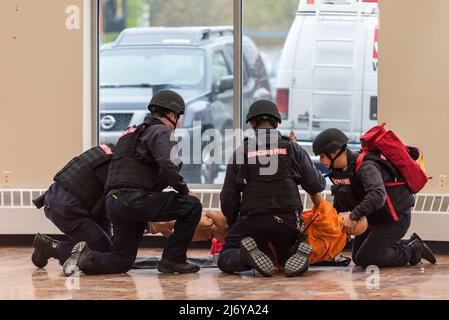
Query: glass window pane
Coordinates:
[219,66]
[148,45]
[321,62]
[265,27]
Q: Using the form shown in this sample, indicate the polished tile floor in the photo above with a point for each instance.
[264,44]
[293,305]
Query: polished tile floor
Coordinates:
[20,280]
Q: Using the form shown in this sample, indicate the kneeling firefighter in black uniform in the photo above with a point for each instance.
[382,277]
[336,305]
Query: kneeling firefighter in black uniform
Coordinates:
[265,222]
[75,204]
[140,170]
[371,187]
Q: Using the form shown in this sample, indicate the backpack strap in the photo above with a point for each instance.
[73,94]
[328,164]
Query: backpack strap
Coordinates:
[359,160]
[391,207]
[358,164]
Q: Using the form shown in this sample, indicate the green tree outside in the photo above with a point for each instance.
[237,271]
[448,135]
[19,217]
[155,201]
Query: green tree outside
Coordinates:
[136,10]
[257,14]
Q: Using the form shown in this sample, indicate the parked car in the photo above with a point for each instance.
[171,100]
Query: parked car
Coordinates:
[197,62]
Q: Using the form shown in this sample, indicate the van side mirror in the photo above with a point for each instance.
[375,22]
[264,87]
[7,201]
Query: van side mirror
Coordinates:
[225,83]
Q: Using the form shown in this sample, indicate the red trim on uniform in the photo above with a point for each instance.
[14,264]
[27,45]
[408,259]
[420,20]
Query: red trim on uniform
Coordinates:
[129,130]
[393,212]
[106,149]
[394,184]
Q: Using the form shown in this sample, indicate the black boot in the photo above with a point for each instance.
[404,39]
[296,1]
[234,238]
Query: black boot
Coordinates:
[414,236]
[426,252]
[44,249]
[252,257]
[166,266]
[416,248]
[299,262]
[79,259]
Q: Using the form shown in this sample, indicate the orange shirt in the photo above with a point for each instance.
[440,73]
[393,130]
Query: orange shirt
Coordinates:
[325,234]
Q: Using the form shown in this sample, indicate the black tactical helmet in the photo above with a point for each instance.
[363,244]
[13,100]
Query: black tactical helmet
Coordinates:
[169,100]
[329,141]
[263,108]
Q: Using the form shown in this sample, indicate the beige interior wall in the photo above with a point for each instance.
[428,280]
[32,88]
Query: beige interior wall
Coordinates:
[41,84]
[414,78]
[41,89]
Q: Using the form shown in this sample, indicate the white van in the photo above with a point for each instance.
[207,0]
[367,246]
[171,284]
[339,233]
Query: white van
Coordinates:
[328,69]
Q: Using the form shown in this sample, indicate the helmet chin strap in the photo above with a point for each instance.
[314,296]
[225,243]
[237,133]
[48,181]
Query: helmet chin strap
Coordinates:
[171,121]
[342,150]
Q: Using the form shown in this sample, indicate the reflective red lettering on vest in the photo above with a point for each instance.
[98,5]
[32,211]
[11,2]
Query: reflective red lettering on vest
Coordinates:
[345,181]
[265,153]
[106,149]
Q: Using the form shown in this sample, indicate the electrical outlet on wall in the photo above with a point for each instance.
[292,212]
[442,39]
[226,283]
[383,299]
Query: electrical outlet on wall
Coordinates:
[6,178]
[442,182]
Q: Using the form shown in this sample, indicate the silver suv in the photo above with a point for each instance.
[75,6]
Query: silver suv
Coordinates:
[196,62]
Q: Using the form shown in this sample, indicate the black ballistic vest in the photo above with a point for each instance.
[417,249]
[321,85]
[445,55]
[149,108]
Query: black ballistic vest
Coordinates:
[277,192]
[79,179]
[348,190]
[125,171]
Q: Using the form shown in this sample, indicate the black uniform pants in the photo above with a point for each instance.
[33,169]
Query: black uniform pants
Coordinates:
[381,244]
[130,212]
[69,216]
[263,228]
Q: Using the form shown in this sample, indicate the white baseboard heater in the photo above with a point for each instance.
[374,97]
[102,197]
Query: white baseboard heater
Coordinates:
[18,215]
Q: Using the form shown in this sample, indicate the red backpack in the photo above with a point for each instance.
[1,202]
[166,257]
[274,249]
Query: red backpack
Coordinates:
[388,144]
